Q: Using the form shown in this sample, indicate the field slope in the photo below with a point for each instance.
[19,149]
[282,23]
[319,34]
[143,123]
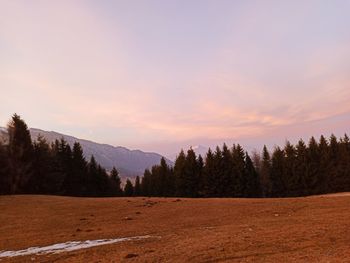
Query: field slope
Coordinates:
[312,229]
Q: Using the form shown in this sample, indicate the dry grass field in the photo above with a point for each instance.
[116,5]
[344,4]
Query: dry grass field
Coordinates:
[311,229]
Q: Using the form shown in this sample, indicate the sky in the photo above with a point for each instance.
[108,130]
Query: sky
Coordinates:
[163,75]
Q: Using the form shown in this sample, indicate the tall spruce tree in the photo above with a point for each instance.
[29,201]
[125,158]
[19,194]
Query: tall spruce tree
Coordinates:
[191,174]
[44,179]
[239,179]
[312,171]
[20,154]
[289,178]
[342,180]
[146,183]
[278,188]
[137,188]
[252,186]
[300,170]
[324,166]
[179,173]
[5,184]
[200,165]
[76,181]
[129,188]
[115,183]
[334,165]
[208,180]
[265,172]
[227,173]
[218,174]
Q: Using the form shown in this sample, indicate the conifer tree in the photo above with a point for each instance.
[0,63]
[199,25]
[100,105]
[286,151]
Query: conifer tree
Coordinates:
[217,180]
[342,180]
[227,174]
[289,178]
[5,184]
[128,189]
[200,165]
[76,181]
[20,153]
[265,172]
[239,180]
[208,176]
[103,181]
[179,173]
[278,188]
[44,179]
[334,171]
[92,177]
[191,174]
[312,171]
[325,166]
[146,183]
[252,187]
[137,188]
[300,170]
[115,183]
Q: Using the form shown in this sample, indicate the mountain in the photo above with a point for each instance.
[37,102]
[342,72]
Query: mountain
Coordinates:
[129,163]
[198,149]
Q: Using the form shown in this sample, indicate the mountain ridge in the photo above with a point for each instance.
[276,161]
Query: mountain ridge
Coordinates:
[130,163]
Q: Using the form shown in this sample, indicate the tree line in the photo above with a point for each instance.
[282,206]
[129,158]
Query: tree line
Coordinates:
[318,167]
[38,167]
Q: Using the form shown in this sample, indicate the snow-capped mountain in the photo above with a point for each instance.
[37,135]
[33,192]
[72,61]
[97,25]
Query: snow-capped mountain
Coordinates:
[198,149]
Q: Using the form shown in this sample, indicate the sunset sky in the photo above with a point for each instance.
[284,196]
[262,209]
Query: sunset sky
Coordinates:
[161,75]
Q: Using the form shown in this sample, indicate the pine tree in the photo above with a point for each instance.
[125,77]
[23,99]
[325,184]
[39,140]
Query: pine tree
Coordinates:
[146,183]
[332,177]
[312,171]
[300,170]
[137,188]
[92,177]
[252,187]
[200,165]
[325,167]
[278,188]
[191,174]
[239,180]
[103,185]
[179,173]
[128,189]
[217,181]
[289,178]
[5,184]
[76,181]
[208,176]
[265,173]
[227,175]
[20,153]
[115,183]
[44,179]
[342,180]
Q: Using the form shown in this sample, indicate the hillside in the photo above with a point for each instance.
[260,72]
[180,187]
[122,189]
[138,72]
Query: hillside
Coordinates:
[129,162]
[311,229]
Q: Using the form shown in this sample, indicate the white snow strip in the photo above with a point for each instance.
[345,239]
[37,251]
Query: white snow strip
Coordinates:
[67,246]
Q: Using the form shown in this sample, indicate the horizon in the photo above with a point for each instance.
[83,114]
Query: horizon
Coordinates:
[161,76]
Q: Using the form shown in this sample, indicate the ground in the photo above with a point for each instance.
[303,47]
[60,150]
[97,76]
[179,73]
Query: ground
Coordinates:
[308,229]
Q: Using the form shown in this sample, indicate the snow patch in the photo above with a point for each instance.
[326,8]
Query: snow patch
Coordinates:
[67,246]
